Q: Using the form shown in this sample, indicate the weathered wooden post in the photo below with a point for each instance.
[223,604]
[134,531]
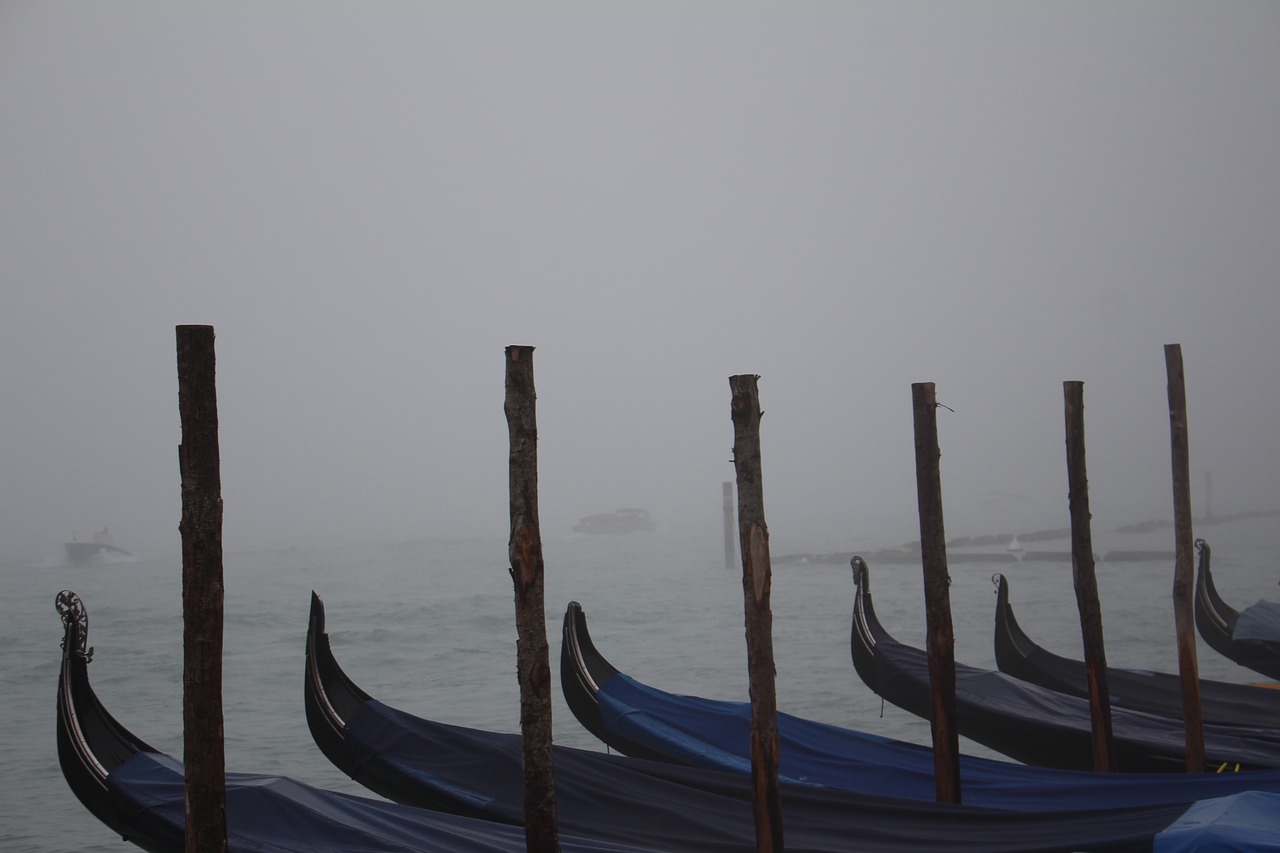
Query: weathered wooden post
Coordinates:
[940,639]
[533,665]
[728,526]
[1183,573]
[753,541]
[203,757]
[1084,574]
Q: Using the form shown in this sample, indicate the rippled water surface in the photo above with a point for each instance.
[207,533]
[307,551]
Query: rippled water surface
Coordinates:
[428,627]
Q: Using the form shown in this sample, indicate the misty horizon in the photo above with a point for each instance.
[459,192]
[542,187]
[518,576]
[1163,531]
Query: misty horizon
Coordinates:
[369,204]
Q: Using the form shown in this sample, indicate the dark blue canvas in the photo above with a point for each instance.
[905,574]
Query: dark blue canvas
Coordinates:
[714,734]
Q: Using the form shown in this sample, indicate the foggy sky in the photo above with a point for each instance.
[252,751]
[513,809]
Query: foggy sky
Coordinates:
[369,202]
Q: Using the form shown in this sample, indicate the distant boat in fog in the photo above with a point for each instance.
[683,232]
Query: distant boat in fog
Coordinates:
[99,549]
[626,520]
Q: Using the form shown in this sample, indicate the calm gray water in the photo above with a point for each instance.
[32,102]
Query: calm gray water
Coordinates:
[428,627]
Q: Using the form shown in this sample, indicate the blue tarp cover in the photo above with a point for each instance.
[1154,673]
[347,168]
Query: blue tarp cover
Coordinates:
[268,814]
[1259,621]
[274,814]
[714,734]
[1244,823]
[666,806]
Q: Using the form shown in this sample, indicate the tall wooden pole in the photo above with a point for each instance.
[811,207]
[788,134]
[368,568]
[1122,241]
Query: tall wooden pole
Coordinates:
[1183,572]
[202,594]
[1083,572]
[533,665]
[728,526]
[753,541]
[940,645]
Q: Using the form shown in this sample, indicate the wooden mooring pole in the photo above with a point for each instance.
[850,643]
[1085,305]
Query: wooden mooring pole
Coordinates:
[940,639]
[753,542]
[533,665]
[203,755]
[1183,573]
[729,552]
[1084,574]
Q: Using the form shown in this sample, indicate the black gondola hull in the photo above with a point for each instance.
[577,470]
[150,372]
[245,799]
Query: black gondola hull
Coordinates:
[1222,703]
[1217,622]
[1030,723]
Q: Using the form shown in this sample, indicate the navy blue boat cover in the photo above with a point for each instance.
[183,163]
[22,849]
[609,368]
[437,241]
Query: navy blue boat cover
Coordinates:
[671,807]
[266,814]
[714,734]
[280,815]
[1240,823]
[1259,621]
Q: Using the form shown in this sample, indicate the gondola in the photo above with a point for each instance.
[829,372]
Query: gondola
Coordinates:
[671,807]
[1032,724]
[1221,702]
[635,718]
[138,792]
[476,773]
[1250,637]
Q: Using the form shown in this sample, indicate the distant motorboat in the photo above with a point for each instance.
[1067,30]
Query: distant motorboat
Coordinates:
[626,520]
[99,549]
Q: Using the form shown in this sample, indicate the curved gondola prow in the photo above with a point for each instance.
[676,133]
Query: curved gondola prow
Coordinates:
[342,717]
[582,671]
[91,743]
[1217,623]
[330,696]
[867,630]
[1215,619]
[1012,645]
